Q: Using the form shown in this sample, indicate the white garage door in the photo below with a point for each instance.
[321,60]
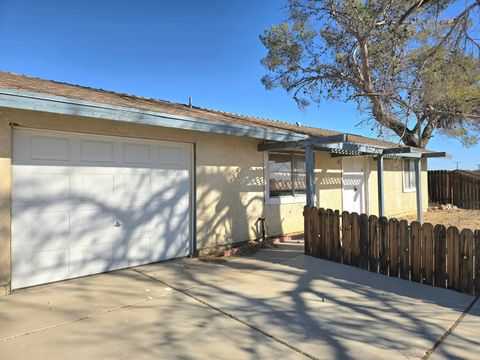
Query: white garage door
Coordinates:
[85,204]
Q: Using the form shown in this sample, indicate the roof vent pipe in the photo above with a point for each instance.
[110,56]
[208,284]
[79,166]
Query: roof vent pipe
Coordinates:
[190,102]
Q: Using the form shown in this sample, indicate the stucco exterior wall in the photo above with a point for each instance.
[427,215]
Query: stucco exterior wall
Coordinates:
[229,181]
[328,181]
[397,202]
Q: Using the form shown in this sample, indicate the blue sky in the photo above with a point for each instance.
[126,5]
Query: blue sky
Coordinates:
[171,50]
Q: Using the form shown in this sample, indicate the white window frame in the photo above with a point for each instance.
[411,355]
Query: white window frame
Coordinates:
[277,200]
[409,187]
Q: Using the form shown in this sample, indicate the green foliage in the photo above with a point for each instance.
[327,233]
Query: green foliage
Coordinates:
[412,69]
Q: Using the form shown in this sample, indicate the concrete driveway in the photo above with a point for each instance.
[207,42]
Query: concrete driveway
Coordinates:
[276,304]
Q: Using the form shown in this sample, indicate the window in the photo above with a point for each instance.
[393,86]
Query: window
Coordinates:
[409,183]
[286,174]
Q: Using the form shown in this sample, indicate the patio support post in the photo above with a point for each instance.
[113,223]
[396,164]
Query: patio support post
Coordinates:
[418,186]
[381,192]
[309,167]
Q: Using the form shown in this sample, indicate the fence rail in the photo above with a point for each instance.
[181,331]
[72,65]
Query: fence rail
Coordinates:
[452,187]
[433,255]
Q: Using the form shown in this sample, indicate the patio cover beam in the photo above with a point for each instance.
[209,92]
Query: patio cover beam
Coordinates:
[435,154]
[303,143]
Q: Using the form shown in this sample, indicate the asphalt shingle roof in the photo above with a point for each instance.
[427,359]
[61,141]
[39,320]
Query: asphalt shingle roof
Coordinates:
[27,83]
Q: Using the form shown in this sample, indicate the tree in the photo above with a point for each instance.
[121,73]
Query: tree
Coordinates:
[408,65]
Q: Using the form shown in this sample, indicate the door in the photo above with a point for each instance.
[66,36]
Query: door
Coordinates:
[85,204]
[353,184]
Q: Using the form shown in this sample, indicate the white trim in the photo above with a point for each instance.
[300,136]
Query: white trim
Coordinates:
[404,186]
[278,200]
[286,199]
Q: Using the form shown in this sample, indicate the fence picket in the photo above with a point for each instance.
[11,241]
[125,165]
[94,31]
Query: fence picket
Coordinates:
[427,254]
[309,231]
[453,261]
[363,242]
[404,240]
[466,241]
[321,253]
[416,251]
[459,189]
[477,262]
[383,245]
[373,243]
[346,238]
[393,244]
[421,253]
[336,245]
[440,255]
[355,240]
[328,234]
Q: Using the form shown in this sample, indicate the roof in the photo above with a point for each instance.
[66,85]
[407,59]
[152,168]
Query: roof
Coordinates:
[26,83]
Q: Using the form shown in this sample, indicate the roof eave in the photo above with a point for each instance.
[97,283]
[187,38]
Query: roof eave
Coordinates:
[27,100]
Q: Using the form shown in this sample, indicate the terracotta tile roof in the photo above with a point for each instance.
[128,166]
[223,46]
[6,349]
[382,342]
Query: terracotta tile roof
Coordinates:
[22,82]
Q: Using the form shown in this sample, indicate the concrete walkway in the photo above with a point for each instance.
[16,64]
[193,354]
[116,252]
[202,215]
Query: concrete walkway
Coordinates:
[275,304]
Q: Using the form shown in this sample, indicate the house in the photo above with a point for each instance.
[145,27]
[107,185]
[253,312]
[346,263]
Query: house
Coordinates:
[93,180]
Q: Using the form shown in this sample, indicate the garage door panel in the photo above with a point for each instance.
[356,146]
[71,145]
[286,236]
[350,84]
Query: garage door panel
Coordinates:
[36,267]
[97,185]
[91,259]
[88,204]
[39,187]
[49,148]
[97,151]
[32,225]
[137,153]
[133,185]
[139,251]
[171,155]
[90,224]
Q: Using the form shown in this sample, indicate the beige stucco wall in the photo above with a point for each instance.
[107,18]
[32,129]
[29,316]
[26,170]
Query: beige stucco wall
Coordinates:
[328,181]
[397,202]
[229,178]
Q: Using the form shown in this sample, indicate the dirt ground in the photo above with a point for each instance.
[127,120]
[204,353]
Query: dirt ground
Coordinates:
[461,218]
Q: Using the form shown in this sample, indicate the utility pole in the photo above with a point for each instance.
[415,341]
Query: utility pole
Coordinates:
[457,162]
[478,167]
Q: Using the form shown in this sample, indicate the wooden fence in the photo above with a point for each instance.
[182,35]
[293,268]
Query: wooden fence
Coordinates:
[427,254]
[453,187]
